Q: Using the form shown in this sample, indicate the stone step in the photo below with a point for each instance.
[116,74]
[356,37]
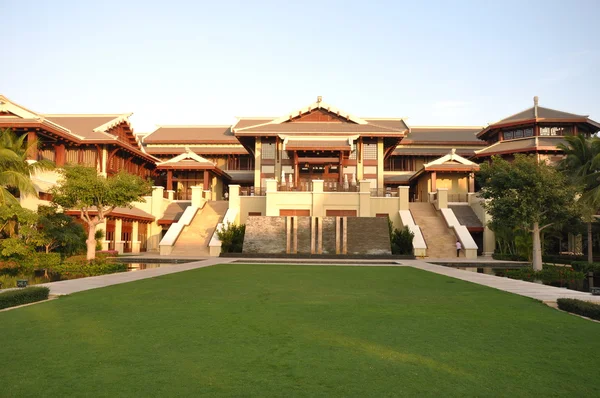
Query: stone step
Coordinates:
[194,238]
[440,240]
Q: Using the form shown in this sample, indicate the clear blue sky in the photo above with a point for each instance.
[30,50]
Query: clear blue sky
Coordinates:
[205,62]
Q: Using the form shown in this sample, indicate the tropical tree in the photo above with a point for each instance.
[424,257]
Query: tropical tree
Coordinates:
[60,232]
[582,165]
[82,188]
[526,194]
[15,169]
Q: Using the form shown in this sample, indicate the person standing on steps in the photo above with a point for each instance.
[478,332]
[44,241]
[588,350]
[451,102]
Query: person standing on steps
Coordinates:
[458,247]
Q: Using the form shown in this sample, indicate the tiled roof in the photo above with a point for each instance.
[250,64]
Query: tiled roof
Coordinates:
[397,124]
[191,134]
[84,125]
[542,113]
[201,150]
[522,145]
[248,122]
[444,134]
[397,178]
[318,127]
[120,212]
[240,176]
[407,151]
[341,144]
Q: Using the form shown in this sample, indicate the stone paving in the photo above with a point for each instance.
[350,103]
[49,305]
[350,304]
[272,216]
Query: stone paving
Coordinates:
[528,289]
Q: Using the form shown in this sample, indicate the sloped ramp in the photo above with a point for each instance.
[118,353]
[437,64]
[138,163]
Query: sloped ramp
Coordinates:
[194,239]
[466,216]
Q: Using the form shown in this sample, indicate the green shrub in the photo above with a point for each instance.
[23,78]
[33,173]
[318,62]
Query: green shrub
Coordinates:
[402,241]
[232,238]
[584,266]
[41,261]
[508,257]
[585,308]
[32,294]
[550,275]
[561,259]
[78,267]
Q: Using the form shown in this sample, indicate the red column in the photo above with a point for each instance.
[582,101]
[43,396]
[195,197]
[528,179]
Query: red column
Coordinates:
[433,181]
[169,180]
[32,142]
[59,155]
[205,180]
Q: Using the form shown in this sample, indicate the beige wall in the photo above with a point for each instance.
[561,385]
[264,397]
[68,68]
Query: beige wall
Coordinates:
[319,202]
[391,206]
[251,204]
[455,183]
[423,187]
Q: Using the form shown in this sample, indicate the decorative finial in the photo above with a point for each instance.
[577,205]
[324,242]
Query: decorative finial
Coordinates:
[535,106]
[535,100]
[453,151]
[319,99]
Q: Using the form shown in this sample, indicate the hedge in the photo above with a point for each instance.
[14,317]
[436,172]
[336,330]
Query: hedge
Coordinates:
[508,257]
[78,266]
[584,266]
[12,298]
[585,308]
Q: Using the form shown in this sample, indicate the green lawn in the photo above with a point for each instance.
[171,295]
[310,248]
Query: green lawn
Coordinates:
[279,330]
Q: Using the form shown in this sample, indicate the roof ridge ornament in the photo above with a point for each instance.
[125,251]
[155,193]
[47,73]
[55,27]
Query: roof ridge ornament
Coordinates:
[319,99]
[535,106]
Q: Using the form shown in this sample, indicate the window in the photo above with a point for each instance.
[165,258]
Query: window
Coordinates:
[528,132]
[557,130]
[268,150]
[370,151]
[518,133]
[508,135]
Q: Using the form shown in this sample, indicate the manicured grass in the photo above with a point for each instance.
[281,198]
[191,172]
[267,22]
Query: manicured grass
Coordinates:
[279,330]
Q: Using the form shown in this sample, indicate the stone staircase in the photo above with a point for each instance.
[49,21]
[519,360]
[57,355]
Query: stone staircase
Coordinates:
[440,240]
[194,238]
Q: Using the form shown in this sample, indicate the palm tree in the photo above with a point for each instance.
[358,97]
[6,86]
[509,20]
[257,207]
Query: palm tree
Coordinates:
[15,169]
[582,164]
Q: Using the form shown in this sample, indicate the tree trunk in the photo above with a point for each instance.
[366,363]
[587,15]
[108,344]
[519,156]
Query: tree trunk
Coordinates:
[590,242]
[537,247]
[91,241]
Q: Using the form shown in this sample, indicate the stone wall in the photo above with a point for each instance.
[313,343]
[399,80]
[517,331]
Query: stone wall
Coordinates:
[265,235]
[365,235]
[368,235]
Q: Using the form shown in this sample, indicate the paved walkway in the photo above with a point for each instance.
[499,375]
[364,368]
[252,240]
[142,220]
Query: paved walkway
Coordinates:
[528,289]
[78,285]
[523,288]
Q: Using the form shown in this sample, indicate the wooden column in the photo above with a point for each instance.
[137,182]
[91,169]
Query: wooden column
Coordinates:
[341,168]
[471,182]
[205,181]
[32,142]
[296,169]
[169,180]
[433,181]
[59,154]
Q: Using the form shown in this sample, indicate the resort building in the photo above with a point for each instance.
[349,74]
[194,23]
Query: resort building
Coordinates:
[318,161]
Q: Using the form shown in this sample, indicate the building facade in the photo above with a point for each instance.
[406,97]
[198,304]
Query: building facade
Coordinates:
[318,148]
